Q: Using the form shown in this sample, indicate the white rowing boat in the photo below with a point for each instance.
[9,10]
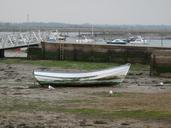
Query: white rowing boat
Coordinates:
[107,76]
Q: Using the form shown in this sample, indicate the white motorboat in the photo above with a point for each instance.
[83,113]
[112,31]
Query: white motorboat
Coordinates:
[55,36]
[107,76]
[117,41]
[85,39]
[136,40]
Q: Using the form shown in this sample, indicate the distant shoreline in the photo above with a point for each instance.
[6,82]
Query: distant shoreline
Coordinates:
[63,27]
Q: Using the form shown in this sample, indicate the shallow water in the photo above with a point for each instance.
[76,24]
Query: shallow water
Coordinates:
[160,43]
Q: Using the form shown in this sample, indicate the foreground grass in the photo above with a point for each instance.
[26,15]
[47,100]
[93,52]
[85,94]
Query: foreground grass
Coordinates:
[134,114]
[9,104]
[89,112]
[70,64]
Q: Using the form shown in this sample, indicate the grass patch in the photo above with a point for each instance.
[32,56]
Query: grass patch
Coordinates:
[60,64]
[85,111]
[70,64]
[135,114]
[9,105]
[15,104]
[78,101]
[163,69]
[141,114]
[140,67]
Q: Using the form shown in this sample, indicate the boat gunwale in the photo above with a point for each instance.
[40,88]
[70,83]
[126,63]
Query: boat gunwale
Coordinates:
[109,69]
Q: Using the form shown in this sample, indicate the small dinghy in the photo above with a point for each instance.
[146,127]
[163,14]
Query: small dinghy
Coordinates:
[108,76]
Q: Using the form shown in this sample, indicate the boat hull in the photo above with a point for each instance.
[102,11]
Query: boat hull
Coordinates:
[81,83]
[103,77]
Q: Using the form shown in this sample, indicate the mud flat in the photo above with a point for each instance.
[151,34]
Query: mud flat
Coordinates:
[139,102]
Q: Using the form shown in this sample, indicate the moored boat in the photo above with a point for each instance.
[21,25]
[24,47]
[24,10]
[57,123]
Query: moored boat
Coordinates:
[117,41]
[107,76]
[136,40]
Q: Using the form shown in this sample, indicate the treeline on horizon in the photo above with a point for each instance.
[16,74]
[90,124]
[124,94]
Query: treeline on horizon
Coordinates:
[35,26]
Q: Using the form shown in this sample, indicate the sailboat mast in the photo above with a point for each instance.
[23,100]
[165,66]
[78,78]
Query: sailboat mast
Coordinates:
[92,30]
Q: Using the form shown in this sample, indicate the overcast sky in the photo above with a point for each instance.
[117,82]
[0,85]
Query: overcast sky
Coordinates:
[87,11]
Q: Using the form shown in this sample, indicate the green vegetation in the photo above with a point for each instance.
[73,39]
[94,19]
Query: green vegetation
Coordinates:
[11,104]
[70,64]
[36,53]
[163,69]
[141,114]
[140,67]
[78,101]
[135,114]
